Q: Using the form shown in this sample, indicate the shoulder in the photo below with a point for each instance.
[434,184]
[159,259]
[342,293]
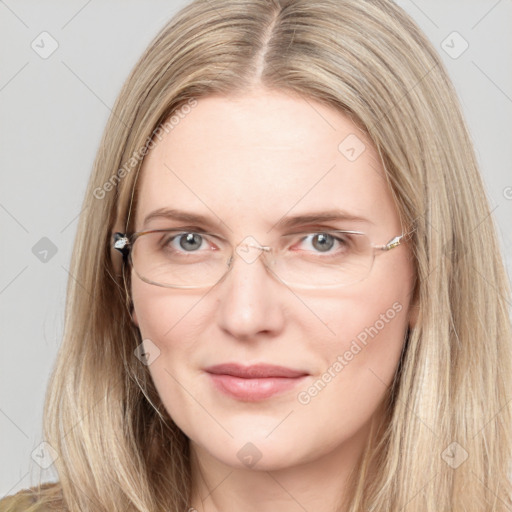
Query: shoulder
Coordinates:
[42,498]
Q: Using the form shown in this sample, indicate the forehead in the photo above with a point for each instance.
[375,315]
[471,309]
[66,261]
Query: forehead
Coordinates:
[247,161]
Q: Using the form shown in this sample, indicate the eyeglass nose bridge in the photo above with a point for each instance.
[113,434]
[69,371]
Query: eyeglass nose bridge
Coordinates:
[256,246]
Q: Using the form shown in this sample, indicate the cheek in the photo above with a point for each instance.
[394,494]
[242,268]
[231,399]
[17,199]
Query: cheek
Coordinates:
[367,334]
[160,313]
[174,320]
[372,348]
[357,366]
[374,309]
[172,323]
[360,358]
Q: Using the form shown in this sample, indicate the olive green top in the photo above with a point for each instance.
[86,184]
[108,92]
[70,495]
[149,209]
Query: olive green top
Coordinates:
[25,501]
[18,503]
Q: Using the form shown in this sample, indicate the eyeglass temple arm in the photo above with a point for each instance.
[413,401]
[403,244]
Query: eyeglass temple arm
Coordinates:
[122,244]
[394,242]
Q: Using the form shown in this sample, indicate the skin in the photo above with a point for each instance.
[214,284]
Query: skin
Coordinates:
[246,162]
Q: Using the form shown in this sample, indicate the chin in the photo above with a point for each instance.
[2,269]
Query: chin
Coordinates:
[257,453]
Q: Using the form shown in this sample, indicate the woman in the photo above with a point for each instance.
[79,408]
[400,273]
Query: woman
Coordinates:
[288,286]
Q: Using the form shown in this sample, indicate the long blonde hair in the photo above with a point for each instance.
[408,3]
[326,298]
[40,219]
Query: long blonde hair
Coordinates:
[447,442]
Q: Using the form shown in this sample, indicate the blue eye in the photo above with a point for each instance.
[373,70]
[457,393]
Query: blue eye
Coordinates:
[190,241]
[182,242]
[323,242]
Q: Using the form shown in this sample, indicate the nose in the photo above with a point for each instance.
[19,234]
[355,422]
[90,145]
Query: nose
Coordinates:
[250,299]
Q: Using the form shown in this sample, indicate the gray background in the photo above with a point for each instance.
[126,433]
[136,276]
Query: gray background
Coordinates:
[52,114]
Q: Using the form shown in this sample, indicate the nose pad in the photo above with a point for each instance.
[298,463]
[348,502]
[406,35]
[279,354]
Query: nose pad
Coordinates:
[249,250]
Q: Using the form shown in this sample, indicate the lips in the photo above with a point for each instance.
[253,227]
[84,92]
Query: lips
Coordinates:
[256,371]
[255,382]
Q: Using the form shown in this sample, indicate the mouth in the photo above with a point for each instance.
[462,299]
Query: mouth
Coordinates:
[255,382]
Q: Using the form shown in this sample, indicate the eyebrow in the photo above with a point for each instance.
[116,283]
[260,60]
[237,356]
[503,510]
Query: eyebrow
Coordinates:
[174,214]
[286,222]
[319,217]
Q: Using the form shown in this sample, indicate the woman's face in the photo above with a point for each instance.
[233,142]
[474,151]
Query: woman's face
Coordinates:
[245,163]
